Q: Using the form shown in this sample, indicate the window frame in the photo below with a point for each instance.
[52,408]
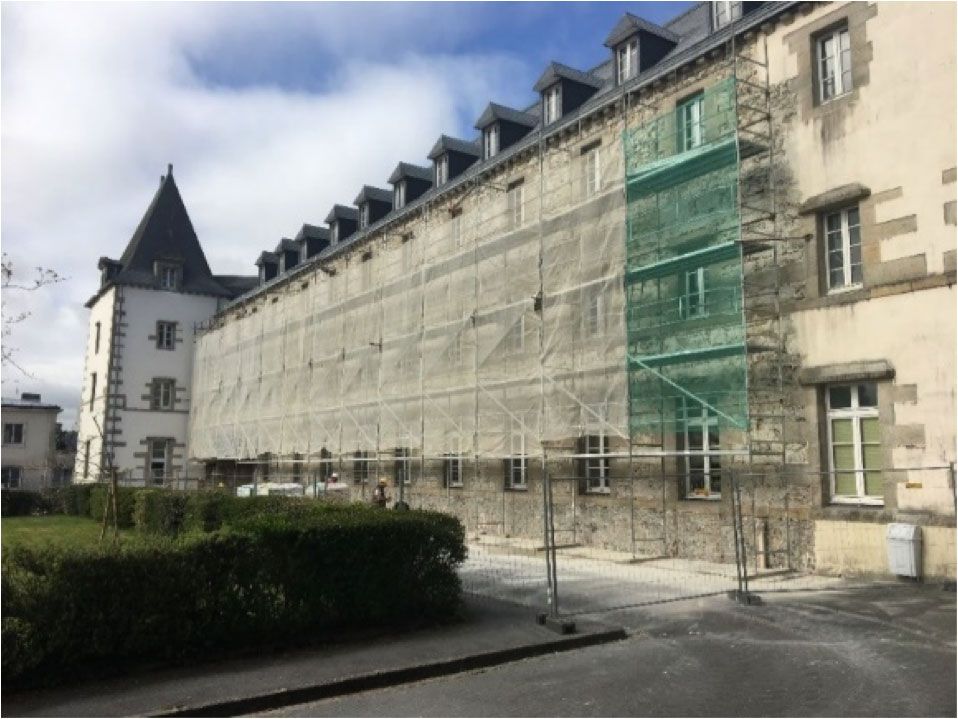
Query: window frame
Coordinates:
[490,141]
[166,444]
[169,276]
[843,82]
[161,326]
[629,51]
[12,441]
[7,476]
[96,338]
[856,413]
[399,194]
[364,216]
[725,12]
[452,464]
[845,232]
[402,465]
[86,458]
[92,390]
[687,309]
[361,466]
[157,403]
[704,421]
[442,169]
[518,461]
[684,123]
[517,211]
[598,467]
[594,324]
[552,104]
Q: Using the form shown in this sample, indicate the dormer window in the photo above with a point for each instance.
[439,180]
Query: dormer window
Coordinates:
[725,12]
[364,216]
[399,195]
[442,170]
[490,141]
[627,60]
[552,104]
[334,233]
[168,275]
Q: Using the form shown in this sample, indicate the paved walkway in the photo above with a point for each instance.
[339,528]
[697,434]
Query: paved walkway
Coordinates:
[491,633]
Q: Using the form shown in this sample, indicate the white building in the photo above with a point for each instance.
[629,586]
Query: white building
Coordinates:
[134,408]
[29,444]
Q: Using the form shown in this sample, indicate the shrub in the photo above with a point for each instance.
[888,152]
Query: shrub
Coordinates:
[21,502]
[159,511]
[73,499]
[124,504]
[270,580]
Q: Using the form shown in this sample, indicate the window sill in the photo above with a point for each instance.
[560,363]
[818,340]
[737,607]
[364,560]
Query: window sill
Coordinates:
[703,498]
[605,492]
[518,488]
[844,290]
[857,502]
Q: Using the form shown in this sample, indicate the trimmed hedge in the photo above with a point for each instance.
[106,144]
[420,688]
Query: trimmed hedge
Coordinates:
[269,580]
[21,503]
[125,497]
[72,499]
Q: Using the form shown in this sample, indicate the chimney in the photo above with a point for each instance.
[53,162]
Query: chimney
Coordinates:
[30,397]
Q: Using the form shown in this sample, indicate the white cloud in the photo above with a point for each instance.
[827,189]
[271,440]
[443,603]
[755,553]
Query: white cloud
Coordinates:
[98,98]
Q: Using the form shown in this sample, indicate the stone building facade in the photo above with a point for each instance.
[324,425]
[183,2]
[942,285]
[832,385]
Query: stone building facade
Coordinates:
[719,265]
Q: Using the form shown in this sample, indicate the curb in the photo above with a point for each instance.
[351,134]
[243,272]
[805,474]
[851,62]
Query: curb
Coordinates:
[390,677]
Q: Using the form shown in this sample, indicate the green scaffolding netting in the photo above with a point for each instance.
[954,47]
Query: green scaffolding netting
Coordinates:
[683,277]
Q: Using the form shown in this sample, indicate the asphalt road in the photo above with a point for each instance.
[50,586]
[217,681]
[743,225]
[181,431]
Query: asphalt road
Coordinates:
[882,651]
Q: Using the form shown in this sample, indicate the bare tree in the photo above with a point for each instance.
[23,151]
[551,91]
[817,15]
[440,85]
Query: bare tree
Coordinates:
[11,282]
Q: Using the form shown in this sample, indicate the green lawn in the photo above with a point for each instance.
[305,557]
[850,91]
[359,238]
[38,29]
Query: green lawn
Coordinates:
[56,529]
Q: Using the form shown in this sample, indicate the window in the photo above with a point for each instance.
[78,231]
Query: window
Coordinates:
[399,195]
[334,233]
[96,338]
[516,206]
[168,275]
[364,216]
[13,433]
[92,389]
[86,459]
[591,176]
[698,435]
[325,465]
[725,12]
[162,394]
[11,477]
[597,464]
[516,464]
[834,54]
[490,141]
[442,170]
[692,301]
[402,465]
[452,466]
[689,124]
[165,335]
[158,462]
[627,60]
[455,231]
[854,444]
[843,242]
[515,335]
[361,466]
[407,255]
[366,270]
[454,351]
[594,312]
[552,104]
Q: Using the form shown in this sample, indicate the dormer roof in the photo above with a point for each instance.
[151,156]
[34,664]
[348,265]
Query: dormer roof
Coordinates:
[312,232]
[341,212]
[628,25]
[286,245]
[267,258]
[495,112]
[556,71]
[378,194]
[405,169]
[446,144]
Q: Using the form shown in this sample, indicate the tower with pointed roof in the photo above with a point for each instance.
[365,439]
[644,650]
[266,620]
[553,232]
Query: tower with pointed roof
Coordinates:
[134,409]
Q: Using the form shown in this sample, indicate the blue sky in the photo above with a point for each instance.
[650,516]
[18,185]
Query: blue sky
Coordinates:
[269,112]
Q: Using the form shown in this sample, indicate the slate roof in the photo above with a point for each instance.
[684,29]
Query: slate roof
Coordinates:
[694,36]
[445,144]
[373,193]
[628,25]
[557,71]
[265,257]
[312,232]
[237,284]
[495,112]
[21,403]
[405,169]
[341,212]
[286,245]
[165,233]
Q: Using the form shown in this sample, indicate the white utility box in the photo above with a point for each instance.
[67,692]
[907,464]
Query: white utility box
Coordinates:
[904,550]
